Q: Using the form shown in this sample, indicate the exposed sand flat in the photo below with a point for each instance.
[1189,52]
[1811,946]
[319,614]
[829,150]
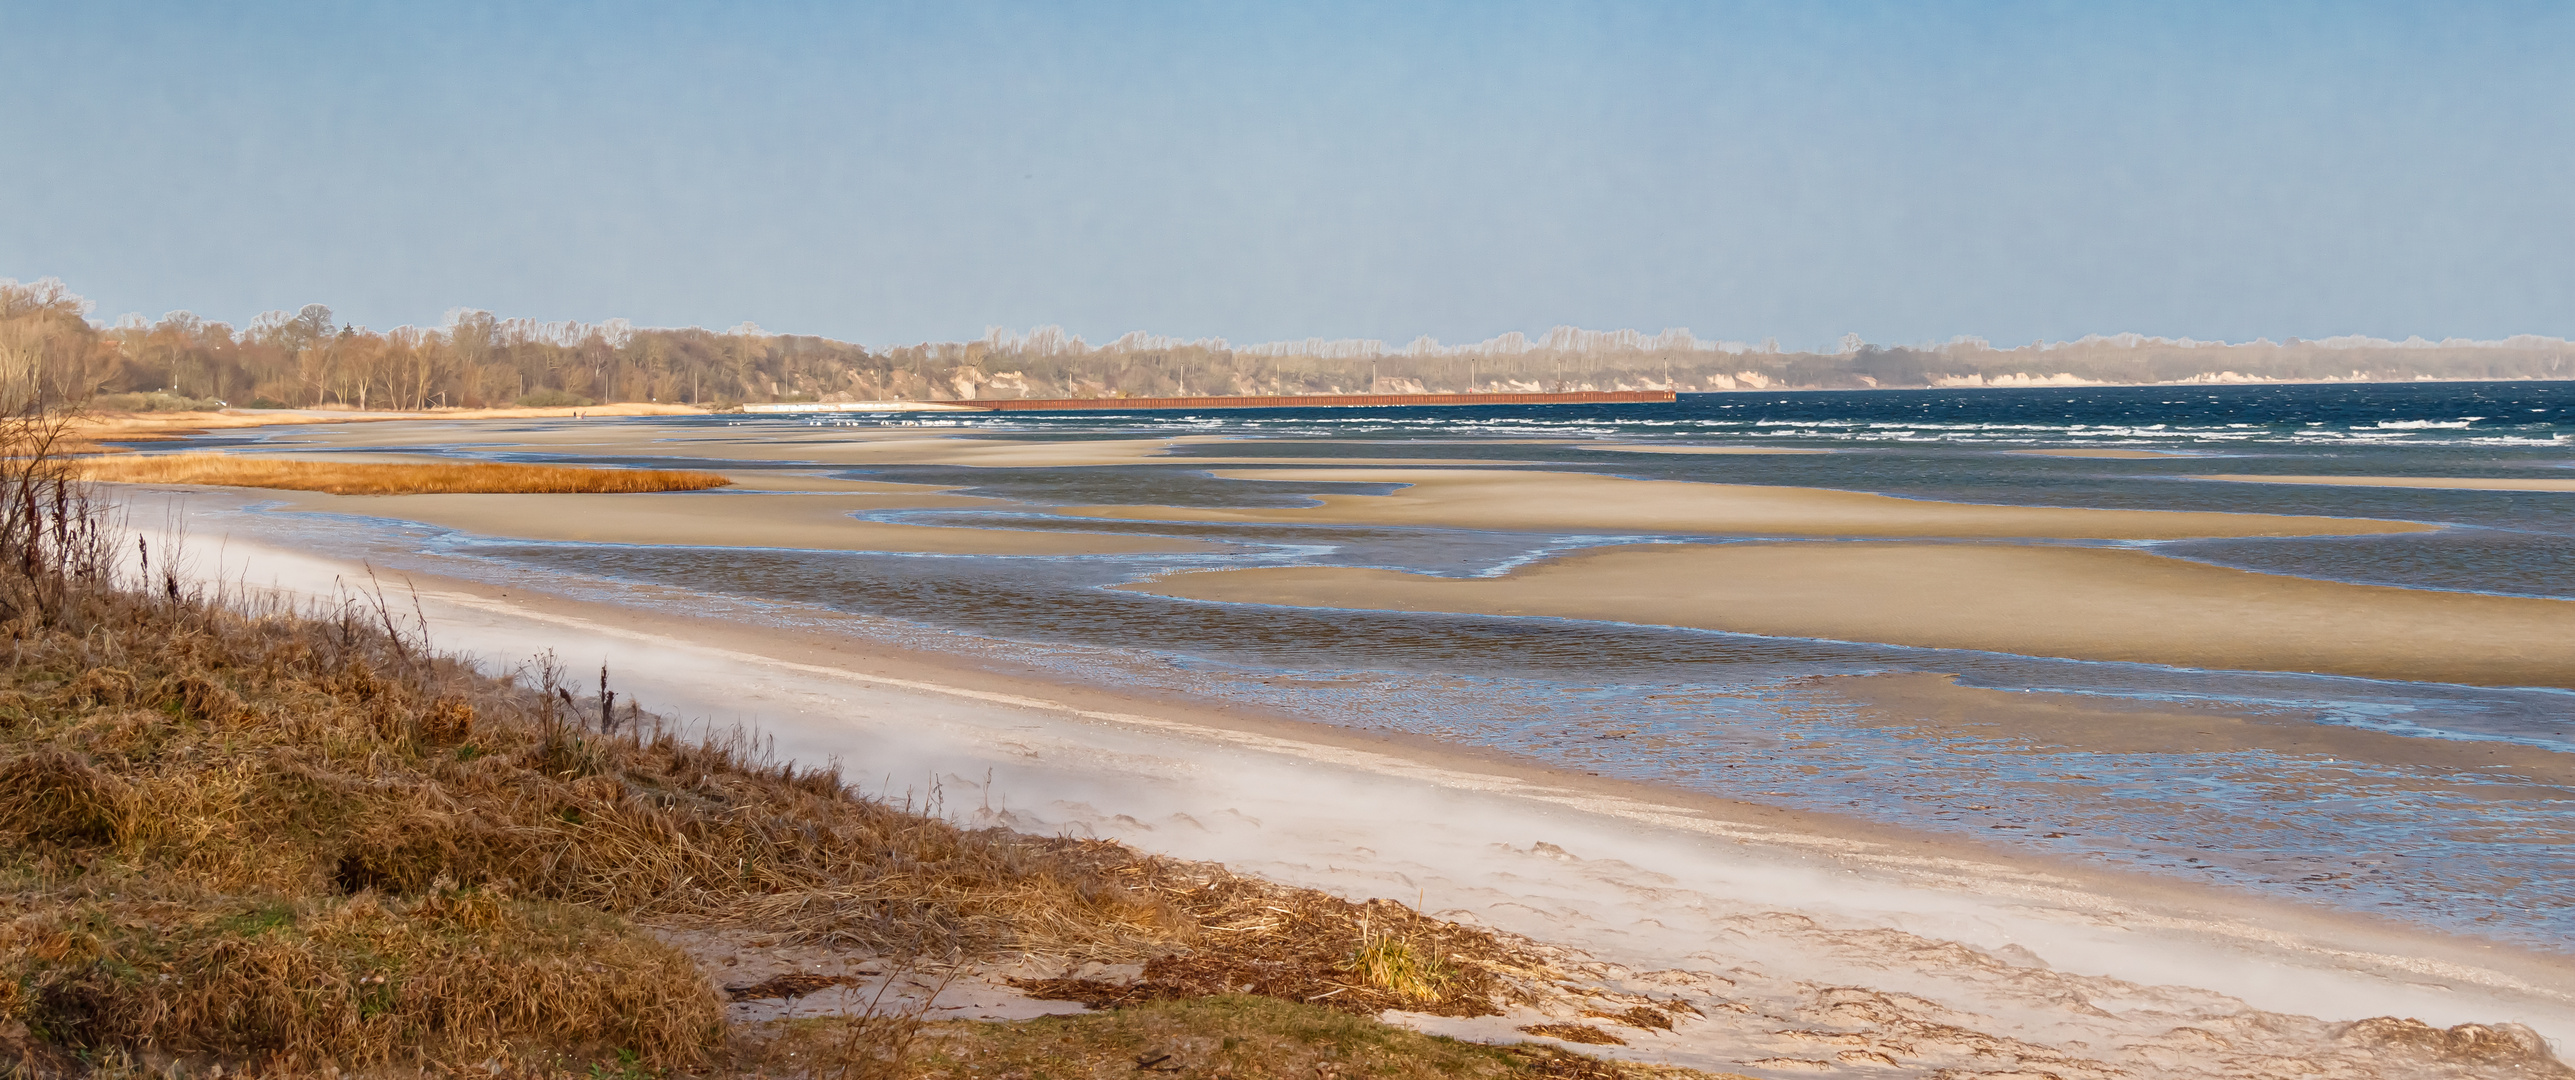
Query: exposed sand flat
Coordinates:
[2441,483]
[1642,449]
[2078,603]
[2123,455]
[1938,707]
[819,522]
[1587,503]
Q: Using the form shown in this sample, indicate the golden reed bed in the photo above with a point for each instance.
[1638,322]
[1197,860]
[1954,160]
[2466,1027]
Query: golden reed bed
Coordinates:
[387,478]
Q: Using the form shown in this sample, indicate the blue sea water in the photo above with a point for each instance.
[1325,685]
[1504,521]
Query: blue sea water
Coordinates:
[1750,717]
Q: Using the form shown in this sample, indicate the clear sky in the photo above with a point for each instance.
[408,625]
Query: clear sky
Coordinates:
[889,173]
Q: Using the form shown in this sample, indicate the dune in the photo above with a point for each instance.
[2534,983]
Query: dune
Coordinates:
[2077,603]
[1587,503]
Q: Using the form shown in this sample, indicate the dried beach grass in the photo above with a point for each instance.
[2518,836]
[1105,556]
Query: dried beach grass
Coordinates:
[305,841]
[387,478]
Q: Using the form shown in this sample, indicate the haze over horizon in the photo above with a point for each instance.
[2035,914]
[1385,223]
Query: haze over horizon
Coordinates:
[1903,173]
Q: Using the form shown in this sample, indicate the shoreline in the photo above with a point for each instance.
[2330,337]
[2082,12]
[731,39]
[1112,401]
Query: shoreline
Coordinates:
[1928,867]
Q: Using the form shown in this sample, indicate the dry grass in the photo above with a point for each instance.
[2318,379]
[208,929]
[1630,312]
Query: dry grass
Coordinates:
[387,478]
[1242,1037]
[299,840]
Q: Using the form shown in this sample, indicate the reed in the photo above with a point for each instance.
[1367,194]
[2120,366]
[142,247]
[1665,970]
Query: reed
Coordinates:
[386,478]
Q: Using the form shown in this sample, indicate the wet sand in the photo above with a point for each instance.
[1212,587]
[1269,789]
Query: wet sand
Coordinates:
[1581,503]
[2077,603]
[729,518]
[2437,483]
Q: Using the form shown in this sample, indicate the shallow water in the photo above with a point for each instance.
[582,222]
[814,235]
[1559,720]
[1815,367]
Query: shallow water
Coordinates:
[1742,716]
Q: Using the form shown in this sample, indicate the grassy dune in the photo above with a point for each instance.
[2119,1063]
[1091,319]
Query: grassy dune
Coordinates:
[386,478]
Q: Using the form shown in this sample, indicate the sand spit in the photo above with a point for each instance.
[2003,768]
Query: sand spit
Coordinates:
[772,519]
[1801,951]
[2078,603]
[1586,503]
[2438,483]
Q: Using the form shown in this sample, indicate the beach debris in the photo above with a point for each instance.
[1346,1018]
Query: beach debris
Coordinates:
[1641,1016]
[1574,1033]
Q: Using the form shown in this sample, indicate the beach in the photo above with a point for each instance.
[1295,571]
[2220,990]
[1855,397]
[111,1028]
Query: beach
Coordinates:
[1842,762]
[1749,913]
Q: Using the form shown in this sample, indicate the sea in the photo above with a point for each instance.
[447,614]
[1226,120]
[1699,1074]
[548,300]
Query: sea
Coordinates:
[2483,853]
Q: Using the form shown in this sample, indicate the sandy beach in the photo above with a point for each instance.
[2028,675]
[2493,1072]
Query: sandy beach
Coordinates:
[2079,603]
[1800,937]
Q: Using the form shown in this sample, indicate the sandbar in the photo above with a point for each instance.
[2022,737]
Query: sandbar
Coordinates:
[1587,503]
[2076,603]
[2438,483]
[2043,721]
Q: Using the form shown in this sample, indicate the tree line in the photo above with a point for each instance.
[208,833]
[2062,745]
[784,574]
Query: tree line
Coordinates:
[51,350]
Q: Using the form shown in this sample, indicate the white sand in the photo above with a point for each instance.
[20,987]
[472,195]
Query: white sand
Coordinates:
[1788,937]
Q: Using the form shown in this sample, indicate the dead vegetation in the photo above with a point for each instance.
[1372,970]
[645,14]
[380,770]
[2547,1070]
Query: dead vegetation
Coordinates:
[302,841]
[1243,1037]
[387,478]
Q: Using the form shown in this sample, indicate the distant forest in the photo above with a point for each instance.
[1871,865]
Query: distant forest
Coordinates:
[50,349]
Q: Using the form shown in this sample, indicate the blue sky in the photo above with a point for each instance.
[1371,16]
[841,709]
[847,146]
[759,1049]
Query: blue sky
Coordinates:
[1908,172]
